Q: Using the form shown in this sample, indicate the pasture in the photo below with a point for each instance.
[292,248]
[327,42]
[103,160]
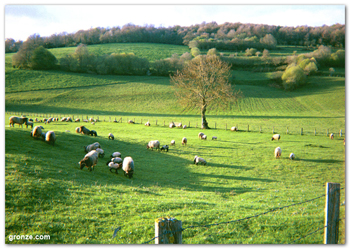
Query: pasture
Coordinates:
[47,193]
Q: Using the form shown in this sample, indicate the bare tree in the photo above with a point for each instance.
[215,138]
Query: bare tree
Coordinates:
[204,82]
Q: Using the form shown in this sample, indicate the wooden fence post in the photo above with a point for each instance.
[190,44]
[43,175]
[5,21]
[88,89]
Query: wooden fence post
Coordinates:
[168,231]
[315,131]
[273,130]
[331,230]
[327,132]
[301,131]
[260,129]
[340,132]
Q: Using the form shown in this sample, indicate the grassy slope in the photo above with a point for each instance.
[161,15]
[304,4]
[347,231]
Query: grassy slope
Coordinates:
[46,193]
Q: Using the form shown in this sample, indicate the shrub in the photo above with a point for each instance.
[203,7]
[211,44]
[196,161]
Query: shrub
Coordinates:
[293,77]
[42,59]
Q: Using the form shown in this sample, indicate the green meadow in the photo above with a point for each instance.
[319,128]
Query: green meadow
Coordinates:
[47,194]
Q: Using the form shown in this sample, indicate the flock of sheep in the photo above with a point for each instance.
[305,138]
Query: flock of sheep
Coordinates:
[94,151]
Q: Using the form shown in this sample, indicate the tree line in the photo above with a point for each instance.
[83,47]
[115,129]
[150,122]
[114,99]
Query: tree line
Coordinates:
[227,36]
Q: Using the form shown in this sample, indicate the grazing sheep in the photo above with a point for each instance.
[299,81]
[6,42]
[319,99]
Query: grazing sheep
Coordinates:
[165,148]
[147,123]
[184,141]
[276,137]
[110,136]
[291,156]
[69,119]
[331,136]
[200,134]
[78,130]
[93,133]
[29,124]
[234,128]
[17,120]
[278,152]
[131,122]
[153,144]
[50,137]
[100,152]
[37,120]
[179,125]
[128,166]
[43,136]
[91,147]
[77,120]
[62,119]
[36,132]
[31,120]
[204,137]
[116,154]
[184,126]
[172,125]
[115,160]
[214,138]
[199,160]
[89,160]
[93,123]
[114,166]
[84,130]
[172,142]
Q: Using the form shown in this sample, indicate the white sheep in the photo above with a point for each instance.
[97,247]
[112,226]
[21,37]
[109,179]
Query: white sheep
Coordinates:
[77,120]
[153,144]
[234,128]
[110,136]
[179,125]
[200,134]
[204,137]
[276,137]
[199,160]
[172,125]
[50,137]
[184,126]
[331,136]
[291,156]
[114,166]
[147,123]
[184,141]
[128,166]
[131,122]
[36,132]
[116,154]
[91,147]
[100,152]
[172,142]
[278,152]
[29,124]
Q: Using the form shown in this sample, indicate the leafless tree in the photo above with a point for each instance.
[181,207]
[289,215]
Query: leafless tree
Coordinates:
[204,82]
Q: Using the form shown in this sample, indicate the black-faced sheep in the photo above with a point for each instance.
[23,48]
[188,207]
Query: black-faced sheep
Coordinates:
[214,138]
[278,152]
[116,154]
[110,136]
[128,167]
[147,123]
[17,120]
[172,125]
[50,137]
[291,156]
[199,160]
[78,130]
[69,119]
[153,144]
[184,141]
[200,134]
[165,148]
[204,137]
[93,133]
[234,128]
[114,166]
[276,137]
[89,160]
[131,122]
[331,136]
[77,120]
[62,119]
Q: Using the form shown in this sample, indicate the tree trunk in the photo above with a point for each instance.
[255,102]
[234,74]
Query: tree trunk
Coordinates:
[204,119]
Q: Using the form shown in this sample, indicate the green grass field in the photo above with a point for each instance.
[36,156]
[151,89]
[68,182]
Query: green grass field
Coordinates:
[47,194]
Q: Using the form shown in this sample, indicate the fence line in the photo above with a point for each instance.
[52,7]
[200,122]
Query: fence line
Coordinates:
[272,129]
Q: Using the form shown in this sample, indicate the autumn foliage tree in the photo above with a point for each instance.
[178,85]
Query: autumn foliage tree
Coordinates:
[204,82]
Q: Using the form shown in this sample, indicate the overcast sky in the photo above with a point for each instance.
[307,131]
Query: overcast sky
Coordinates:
[38,17]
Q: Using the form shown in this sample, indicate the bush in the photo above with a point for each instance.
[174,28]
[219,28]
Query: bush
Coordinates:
[42,59]
[293,77]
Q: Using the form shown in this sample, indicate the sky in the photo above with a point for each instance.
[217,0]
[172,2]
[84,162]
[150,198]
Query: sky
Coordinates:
[25,18]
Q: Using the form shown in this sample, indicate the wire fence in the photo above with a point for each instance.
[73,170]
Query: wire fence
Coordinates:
[215,125]
[247,218]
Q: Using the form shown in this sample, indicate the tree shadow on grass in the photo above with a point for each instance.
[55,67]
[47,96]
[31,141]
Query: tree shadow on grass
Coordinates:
[320,160]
